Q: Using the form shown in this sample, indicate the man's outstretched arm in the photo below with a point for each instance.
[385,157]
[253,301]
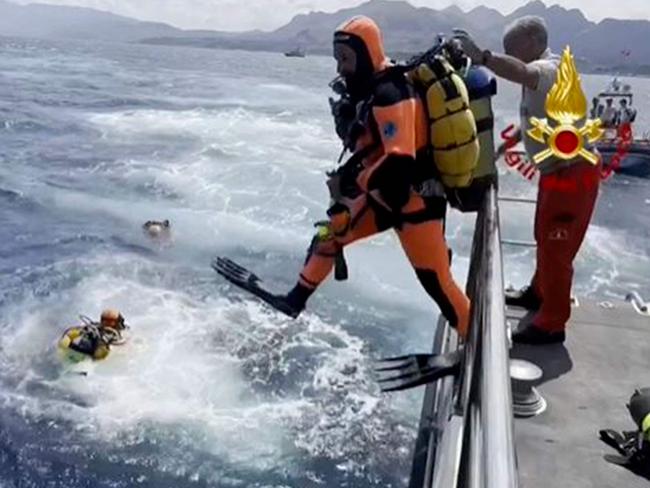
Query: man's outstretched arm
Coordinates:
[504,66]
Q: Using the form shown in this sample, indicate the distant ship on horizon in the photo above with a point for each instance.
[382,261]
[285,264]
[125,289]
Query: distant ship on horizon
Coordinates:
[295,53]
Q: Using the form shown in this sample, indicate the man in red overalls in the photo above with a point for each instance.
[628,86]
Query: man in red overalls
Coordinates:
[567,189]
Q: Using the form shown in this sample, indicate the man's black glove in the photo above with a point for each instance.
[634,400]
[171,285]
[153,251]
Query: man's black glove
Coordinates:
[344,113]
[343,181]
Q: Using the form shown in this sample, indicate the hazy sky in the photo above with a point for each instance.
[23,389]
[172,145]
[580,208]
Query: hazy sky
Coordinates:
[270,14]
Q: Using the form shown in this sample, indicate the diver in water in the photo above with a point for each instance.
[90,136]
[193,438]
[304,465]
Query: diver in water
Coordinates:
[374,190]
[157,230]
[94,339]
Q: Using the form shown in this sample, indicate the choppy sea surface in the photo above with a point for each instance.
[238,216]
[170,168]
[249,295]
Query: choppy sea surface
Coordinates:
[214,389]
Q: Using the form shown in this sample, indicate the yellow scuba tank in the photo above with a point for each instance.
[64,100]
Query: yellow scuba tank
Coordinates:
[72,355]
[481,86]
[453,135]
[66,354]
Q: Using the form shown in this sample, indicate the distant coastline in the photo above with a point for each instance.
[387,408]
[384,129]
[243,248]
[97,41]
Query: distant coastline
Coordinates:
[608,46]
[637,71]
[642,71]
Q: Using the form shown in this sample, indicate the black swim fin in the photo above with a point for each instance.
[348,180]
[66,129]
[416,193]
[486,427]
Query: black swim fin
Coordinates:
[623,442]
[634,451]
[416,369]
[240,276]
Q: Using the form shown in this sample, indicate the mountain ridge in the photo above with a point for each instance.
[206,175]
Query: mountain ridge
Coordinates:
[407,29]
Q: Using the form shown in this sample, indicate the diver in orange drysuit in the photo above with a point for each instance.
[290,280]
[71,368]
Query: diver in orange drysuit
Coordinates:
[374,192]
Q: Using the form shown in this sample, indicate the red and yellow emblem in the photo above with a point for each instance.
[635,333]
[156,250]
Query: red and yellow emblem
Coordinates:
[566,104]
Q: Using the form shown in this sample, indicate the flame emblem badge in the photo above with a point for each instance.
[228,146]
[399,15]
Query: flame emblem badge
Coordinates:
[565,104]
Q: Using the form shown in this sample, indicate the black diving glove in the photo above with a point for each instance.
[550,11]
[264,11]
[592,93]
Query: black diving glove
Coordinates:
[343,181]
[344,113]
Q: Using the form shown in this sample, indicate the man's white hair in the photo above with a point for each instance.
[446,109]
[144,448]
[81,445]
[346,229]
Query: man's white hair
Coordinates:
[529,25]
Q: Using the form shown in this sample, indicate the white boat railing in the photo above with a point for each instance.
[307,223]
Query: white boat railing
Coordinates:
[467,424]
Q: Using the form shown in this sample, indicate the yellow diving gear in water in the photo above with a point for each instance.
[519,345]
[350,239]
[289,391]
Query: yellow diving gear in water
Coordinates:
[92,340]
[79,343]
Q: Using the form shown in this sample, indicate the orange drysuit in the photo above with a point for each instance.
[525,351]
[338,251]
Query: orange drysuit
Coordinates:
[392,144]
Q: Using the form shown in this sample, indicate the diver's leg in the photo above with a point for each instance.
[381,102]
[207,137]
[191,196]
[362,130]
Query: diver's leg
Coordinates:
[423,241]
[320,260]
[322,253]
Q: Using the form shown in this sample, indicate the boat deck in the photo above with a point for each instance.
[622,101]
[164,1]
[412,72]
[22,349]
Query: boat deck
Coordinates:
[586,383]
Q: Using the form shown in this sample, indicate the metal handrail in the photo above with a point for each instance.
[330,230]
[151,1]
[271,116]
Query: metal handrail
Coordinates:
[517,200]
[513,242]
[449,450]
[476,446]
[436,408]
[447,466]
[486,397]
[496,391]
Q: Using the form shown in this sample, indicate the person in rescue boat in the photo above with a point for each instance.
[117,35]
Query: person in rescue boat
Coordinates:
[627,114]
[374,190]
[562,216]
[597,108]
[610,114]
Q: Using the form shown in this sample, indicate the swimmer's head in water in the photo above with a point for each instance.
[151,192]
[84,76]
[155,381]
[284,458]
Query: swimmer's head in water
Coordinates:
[156,229]
[112,319]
